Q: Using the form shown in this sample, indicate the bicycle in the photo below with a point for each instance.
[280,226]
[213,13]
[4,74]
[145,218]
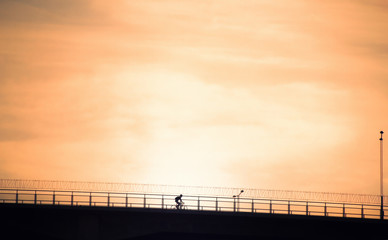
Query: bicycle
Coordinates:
[181,206]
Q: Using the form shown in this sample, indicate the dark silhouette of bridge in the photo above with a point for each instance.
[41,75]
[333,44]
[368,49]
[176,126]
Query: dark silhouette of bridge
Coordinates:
[48,214]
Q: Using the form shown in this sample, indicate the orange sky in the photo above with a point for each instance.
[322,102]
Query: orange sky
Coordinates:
[262,94]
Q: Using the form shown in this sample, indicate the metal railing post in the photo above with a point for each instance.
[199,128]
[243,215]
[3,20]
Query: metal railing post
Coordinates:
[72,198]
[90,199]
[162,201]
[53,197]
[199,204]
[216,204]
[234,204]
[35,198]
[17,197]
[270,206]
[126,200]
[343,211]
[253,206]
[289,208]
[362,211]
[108,199]
[325,210]
[307,208]
[145,201]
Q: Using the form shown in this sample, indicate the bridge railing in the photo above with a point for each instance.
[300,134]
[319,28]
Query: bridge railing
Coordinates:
[198,203]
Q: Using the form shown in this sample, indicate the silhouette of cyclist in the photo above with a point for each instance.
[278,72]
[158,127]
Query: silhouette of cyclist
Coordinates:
[179,202]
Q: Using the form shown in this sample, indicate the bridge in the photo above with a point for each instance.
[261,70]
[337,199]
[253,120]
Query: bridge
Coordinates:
[76,214]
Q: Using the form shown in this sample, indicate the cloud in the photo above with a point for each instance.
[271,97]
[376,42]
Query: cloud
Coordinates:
[15,135]
[50,12]
[146,84]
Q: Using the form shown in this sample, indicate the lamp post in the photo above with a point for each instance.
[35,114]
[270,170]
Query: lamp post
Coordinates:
[238,201]
[381,177]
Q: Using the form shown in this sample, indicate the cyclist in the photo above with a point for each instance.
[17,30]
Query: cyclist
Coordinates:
[179,202]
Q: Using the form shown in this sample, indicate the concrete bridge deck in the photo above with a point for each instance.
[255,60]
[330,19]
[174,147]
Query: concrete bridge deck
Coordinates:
[30,221]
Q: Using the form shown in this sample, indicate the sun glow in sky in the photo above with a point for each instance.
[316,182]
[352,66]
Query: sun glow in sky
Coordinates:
[260,94]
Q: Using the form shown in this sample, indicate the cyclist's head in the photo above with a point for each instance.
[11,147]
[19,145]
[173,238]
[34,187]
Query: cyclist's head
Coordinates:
[181,195]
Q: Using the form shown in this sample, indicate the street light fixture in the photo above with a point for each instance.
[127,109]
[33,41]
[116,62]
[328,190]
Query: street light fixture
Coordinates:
[238,200]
